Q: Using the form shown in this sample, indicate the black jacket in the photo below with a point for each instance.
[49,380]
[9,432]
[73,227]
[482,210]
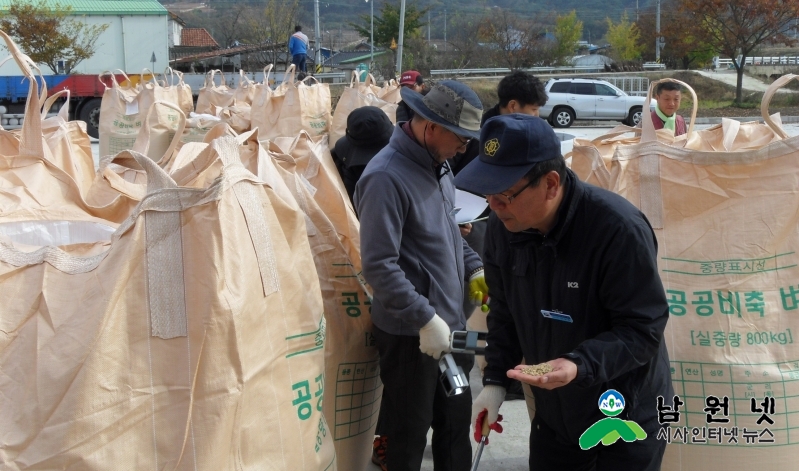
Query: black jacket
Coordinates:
[599,266]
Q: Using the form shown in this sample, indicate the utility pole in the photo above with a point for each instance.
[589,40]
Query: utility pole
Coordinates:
[658,41]
[401,36]
[317,37]
[428,27]
[636,11]
[372,37]
[445,29]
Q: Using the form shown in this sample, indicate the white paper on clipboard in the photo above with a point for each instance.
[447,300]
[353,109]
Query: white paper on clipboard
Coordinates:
[470,206]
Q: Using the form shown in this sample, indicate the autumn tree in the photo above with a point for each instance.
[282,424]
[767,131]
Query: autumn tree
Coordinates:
[228,23]
[387,23]
[49,34]
[516,42]
[568,31]
[735,27]
[624,39]
[464,48]
[271,25]
[684,48]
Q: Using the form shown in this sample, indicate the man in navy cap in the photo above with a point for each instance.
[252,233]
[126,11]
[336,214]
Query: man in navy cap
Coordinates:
[418,266]
[573,281]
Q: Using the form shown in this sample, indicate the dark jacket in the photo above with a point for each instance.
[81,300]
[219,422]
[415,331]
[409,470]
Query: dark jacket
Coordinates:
[404,112]
[599,266]
[412,252]
[472,150]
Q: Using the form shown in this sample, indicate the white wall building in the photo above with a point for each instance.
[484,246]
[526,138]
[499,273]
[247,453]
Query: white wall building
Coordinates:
[138,29]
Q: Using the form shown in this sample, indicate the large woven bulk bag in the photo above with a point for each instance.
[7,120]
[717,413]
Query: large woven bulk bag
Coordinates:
[726,225]
[292,107]
[358,94]
[213,94]
[351,359]
[194,339]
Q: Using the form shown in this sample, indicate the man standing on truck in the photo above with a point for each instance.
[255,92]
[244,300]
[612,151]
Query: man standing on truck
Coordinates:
[298,47]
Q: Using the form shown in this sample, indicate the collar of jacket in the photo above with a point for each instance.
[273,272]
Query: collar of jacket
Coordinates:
[490,113]
[573,191]
[407,146]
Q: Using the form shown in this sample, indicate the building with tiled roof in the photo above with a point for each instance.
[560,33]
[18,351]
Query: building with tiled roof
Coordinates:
[197,37]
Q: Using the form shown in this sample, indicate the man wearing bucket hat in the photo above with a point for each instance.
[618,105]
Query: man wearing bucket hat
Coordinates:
[418,266]
[573,282]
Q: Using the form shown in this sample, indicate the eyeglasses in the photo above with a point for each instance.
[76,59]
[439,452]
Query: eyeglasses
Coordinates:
[505,199]
[463,143]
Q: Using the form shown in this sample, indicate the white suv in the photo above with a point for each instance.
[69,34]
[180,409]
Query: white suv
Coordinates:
[574,98]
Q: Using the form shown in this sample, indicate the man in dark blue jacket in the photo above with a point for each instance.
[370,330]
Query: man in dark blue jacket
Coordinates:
[573,280]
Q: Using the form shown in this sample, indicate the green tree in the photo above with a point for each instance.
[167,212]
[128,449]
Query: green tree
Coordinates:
[387,24]
[48,35]
[568,30]
[624,39]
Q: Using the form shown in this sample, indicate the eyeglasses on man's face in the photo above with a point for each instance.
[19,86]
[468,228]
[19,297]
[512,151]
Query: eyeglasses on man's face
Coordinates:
[505,199]
[464,143]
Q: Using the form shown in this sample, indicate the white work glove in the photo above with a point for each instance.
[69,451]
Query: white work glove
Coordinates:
[434,337]
[489,399]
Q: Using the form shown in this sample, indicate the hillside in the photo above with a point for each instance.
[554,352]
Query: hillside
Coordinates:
[335,14]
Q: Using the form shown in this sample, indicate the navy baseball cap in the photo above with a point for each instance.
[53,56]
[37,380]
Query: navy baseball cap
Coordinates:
[510,145]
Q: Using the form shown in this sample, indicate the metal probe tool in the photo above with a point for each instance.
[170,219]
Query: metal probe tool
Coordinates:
[483,440]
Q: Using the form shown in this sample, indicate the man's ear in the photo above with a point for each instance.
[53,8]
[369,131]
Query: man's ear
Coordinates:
[513,106]
[552,180]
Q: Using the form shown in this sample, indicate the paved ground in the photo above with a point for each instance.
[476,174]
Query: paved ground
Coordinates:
[749,83]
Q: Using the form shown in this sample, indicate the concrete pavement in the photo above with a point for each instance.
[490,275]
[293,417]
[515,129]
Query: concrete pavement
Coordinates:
[730,77]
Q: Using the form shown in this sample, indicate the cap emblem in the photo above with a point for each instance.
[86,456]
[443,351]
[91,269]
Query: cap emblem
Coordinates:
[491,147]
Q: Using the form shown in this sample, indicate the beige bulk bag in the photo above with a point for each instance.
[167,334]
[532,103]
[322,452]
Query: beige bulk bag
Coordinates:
[151,91]
[193,342]
[390,91]
[185,96]
[213,94]
[245,91]
[351,359]
[726,225]
[69,143]
[315,163]
[293,107]
[260,112]
[355,97]
[33,184]
[120,183]
[237,115]
[119,116]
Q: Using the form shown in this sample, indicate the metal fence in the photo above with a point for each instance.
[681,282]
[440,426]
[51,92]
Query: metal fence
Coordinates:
[505,71]
[636,86]
[759,60]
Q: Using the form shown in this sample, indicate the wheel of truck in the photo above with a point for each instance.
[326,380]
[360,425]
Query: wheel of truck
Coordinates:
[90,113]
[562,117]
[635,116]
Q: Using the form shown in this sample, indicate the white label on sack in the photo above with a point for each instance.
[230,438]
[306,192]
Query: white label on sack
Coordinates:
[311,188]
[132,107]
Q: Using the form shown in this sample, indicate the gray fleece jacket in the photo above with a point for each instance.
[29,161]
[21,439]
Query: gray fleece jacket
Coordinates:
[413,255]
